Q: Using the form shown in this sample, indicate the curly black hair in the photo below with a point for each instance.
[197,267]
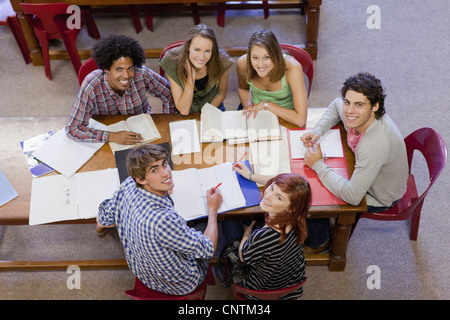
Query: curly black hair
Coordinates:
[113,47]
[368,85]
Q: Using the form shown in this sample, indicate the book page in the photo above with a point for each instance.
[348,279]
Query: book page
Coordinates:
[211,124]
[188,196]
[264,127]
[330,143]
[92,188]
[144,125]
[235,124]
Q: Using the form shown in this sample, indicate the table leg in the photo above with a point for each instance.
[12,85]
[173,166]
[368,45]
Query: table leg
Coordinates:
[312,26]
[33,43]
[339,242]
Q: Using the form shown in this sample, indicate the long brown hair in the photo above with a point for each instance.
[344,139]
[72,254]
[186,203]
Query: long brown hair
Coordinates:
[215,66]
[299,193]
[267,40]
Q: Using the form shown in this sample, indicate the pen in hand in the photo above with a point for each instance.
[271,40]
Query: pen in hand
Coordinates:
[214,189]
[235,165]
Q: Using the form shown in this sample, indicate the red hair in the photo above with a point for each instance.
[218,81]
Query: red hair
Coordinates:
[299,193]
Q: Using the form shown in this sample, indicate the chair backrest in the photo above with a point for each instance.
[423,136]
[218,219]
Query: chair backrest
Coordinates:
[433,148]
[239,292]
[163,52]
[87,67]
[305,60]
[52,17]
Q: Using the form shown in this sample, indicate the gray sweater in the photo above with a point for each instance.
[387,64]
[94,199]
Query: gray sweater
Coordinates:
[381,168]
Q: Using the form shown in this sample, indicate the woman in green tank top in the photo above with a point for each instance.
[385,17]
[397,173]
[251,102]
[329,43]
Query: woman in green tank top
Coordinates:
[268,80]
[197,71]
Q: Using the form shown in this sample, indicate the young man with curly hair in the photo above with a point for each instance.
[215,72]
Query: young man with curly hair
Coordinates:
[119,86]
[381,166]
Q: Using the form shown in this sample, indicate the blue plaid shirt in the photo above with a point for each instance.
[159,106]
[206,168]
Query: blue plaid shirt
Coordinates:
[160,248]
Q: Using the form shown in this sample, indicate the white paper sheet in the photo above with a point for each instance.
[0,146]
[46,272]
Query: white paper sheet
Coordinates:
[184,137]
[330,143]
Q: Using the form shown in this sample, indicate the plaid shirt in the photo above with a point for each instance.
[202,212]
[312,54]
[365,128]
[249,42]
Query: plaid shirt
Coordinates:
[160,248]
[96,97]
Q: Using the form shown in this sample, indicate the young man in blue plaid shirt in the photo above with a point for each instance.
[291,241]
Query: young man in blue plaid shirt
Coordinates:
[161,250]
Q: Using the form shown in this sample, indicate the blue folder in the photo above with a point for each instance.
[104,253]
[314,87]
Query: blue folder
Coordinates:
[250,189]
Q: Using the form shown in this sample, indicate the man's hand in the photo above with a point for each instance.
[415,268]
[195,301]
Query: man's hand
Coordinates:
[125,137]
[214,200]
[313,155]
[309,139]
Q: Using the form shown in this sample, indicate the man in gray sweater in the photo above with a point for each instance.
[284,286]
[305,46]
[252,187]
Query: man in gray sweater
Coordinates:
[381,166]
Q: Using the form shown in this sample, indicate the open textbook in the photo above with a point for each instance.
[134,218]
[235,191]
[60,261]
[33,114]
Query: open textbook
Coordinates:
[191,185]
[142,123]
[217,125]
[58,198]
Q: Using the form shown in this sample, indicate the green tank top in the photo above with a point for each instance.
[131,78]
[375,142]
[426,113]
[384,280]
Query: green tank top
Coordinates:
[282,97]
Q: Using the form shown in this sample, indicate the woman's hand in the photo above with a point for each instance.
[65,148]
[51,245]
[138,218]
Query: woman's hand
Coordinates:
[125,137]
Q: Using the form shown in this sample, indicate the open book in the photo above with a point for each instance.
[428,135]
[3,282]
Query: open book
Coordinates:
[58,198]
[189,192]
[217,125]
[330,143]
[142,123]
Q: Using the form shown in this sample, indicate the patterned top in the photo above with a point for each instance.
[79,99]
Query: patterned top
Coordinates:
[96,97]
[161,250]
[273,265]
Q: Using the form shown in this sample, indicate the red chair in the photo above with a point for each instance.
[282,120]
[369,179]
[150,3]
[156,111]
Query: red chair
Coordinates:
[87,67]
[305,60]
[428,142]
[240,293]
[163,52]
[142,292]
[49,22]
[9,18]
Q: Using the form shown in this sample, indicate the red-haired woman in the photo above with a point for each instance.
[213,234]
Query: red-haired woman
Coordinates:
[275,251]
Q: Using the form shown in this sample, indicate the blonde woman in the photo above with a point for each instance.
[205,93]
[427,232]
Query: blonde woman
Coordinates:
[197,71]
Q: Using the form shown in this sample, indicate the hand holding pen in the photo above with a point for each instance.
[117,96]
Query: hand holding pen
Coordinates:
[310,139]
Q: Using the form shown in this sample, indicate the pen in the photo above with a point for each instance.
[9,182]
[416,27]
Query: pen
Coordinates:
[239,160]
[307,140]
[214,189]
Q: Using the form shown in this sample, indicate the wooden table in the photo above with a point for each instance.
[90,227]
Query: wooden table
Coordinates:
[311,8]
[16,212]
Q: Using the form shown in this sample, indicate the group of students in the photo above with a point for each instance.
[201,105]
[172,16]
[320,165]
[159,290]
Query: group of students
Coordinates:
[161,250]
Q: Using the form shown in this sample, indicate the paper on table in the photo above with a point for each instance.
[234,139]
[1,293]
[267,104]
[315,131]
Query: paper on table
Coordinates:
[7,192]
[58,198]
[184,137]
[330,143]
[66,155]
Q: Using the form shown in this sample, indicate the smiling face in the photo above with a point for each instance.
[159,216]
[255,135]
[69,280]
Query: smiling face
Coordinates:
[121,74]
[274,201]
[158,179]
[261,61]
[359,113]
[200,51]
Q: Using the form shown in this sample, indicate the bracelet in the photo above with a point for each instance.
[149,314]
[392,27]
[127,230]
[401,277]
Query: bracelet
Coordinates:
[250,177]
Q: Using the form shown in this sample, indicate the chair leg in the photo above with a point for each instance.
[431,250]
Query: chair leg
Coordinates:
[415,219]
[43,41]
[135,18]
[221,14]
[90,23]
[16,30]
[149,17]
[266,9]
[72,50]
[195,13]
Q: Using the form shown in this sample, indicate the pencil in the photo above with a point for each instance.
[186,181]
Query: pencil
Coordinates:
[307,140]
[239,160]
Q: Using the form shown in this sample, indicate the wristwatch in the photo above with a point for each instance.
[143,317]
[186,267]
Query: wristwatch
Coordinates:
[266,104]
